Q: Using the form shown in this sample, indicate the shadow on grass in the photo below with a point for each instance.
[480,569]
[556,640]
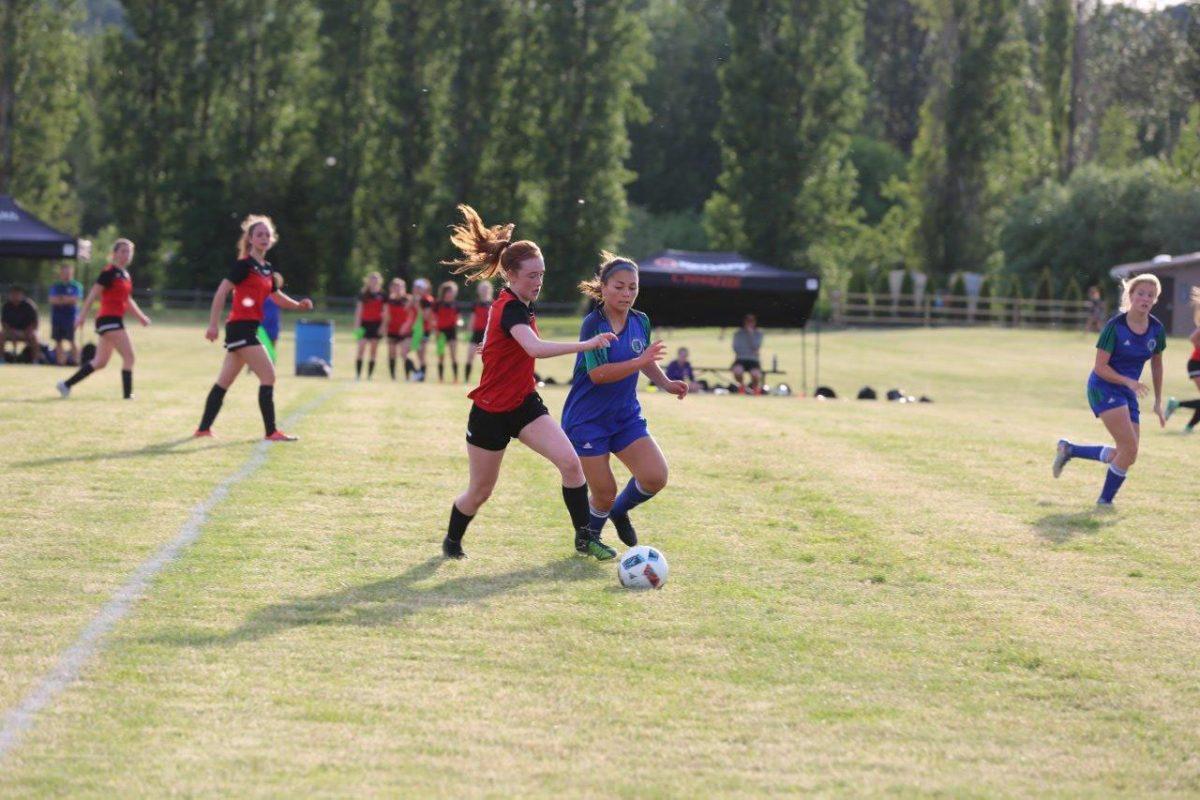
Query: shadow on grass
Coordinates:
[169,448]
[1063,527]
[388,602]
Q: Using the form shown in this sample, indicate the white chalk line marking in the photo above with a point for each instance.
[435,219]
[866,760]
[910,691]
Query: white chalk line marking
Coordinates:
[71,662]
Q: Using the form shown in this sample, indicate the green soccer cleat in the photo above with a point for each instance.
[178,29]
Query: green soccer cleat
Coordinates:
[1172,404]
[588,543]
[1061,457]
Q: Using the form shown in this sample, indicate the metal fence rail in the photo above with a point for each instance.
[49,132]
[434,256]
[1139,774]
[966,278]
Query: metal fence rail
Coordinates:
[867,308]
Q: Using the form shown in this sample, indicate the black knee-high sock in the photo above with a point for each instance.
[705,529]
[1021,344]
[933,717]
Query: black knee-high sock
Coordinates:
[577,505]
[370,368]
[1190,404]
[80,374]
[1195,418]
[408,368]
[358,367]
[467,370]
[458,524]
[441,371]
[266,404]
[127,383]
[216,396]
[392,367]
[455,368]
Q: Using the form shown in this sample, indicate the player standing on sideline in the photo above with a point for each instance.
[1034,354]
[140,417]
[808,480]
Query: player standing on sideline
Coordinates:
[64,308]
[507,404]
[479,318]
[445,315]
[397,312]
[1193,368]
[115,287]
[1126,343]
[423,301]
[252,281]
[602,414]
[368,316]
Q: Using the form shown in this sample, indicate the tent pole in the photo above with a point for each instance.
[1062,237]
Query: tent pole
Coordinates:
[817,360]
[804,361]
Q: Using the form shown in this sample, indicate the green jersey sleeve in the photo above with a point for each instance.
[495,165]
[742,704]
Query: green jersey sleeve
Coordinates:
[1108,338]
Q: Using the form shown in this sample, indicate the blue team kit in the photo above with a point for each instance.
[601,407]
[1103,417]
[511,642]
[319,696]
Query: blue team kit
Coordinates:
[1129,353]
[606,418]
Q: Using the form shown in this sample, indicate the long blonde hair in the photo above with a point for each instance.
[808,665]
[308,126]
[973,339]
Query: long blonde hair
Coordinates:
[248,225]
[367,280]
[591,288]
[487,250]
[1128,286]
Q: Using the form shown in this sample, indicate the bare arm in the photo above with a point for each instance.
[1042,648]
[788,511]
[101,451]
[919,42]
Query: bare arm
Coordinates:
[86,304]
[1156,376]
[358,315]
[1195,338]
[611,373]
[137,312]
[291,304]
[218,305]
[1107,373]
[540,348]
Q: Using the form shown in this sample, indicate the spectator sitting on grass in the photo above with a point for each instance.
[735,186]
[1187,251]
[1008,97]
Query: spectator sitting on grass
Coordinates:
[747,343]
[19,322]
[681,370]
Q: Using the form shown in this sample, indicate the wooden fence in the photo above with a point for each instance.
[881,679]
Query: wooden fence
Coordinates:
[867,308]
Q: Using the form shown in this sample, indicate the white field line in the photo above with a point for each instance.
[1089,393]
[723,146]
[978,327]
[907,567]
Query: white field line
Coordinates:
[71,662]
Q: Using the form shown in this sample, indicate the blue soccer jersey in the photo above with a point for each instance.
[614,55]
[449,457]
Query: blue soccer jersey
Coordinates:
[609,403]
[1129,351]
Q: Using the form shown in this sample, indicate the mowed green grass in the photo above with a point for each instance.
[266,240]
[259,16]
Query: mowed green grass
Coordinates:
[865,598]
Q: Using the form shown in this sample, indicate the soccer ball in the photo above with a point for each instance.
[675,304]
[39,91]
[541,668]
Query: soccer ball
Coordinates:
[642,567]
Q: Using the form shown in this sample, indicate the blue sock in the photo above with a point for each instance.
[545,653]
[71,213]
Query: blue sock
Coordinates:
[630,498]
[1093,452]
[596,519]
[1112,482]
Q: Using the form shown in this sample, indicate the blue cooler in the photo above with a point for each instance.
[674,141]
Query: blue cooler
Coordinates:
[314,345]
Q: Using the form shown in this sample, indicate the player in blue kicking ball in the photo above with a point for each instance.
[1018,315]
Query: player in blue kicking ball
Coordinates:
[602,415]
[1126,343]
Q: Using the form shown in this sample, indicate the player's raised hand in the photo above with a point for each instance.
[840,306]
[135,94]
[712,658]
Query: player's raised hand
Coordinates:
[600,340]
[677,388]
[306,304]
[655,352]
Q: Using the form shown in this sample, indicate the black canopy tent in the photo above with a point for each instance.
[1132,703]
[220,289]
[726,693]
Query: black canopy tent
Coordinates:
[22,235]
[685,288]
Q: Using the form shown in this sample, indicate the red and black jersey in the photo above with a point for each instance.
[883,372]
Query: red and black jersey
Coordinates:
[1196,354]
[372,306]
[479,315]
[507,377]
[252,284]
[445,314]
[117,286]
[397,313]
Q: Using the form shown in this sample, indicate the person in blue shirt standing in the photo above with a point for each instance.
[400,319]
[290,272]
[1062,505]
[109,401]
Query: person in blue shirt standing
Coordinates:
[1126,343]
[602,415]
[64,306]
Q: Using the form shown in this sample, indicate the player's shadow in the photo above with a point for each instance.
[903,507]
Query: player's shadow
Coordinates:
[169,448]
[391,601]
[1062,527]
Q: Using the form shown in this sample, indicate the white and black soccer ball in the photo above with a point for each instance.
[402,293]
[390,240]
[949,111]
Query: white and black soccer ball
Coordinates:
[642,567]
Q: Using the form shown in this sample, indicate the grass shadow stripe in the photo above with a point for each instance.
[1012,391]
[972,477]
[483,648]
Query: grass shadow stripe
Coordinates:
[67,669]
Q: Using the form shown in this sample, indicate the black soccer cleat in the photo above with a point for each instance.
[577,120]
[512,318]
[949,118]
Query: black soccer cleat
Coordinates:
[624,529]
[588,543]
[452,549]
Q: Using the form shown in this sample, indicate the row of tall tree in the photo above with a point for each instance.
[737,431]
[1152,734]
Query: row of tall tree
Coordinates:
[838,135]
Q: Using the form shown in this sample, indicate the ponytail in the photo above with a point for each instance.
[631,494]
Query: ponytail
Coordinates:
[486,250]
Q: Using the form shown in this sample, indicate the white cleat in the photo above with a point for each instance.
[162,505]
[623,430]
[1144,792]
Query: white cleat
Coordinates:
[63,389]
[1061,457]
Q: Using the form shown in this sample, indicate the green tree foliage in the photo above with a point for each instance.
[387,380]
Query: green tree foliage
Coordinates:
[876,163]
[1117,142]
[41,74]
[674,152]
[592,54]
[974,148]
[895,60]
[791,96]
[1100,218]
[1058,27]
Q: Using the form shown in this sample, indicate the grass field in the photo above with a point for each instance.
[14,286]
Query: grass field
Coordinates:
[865,598]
